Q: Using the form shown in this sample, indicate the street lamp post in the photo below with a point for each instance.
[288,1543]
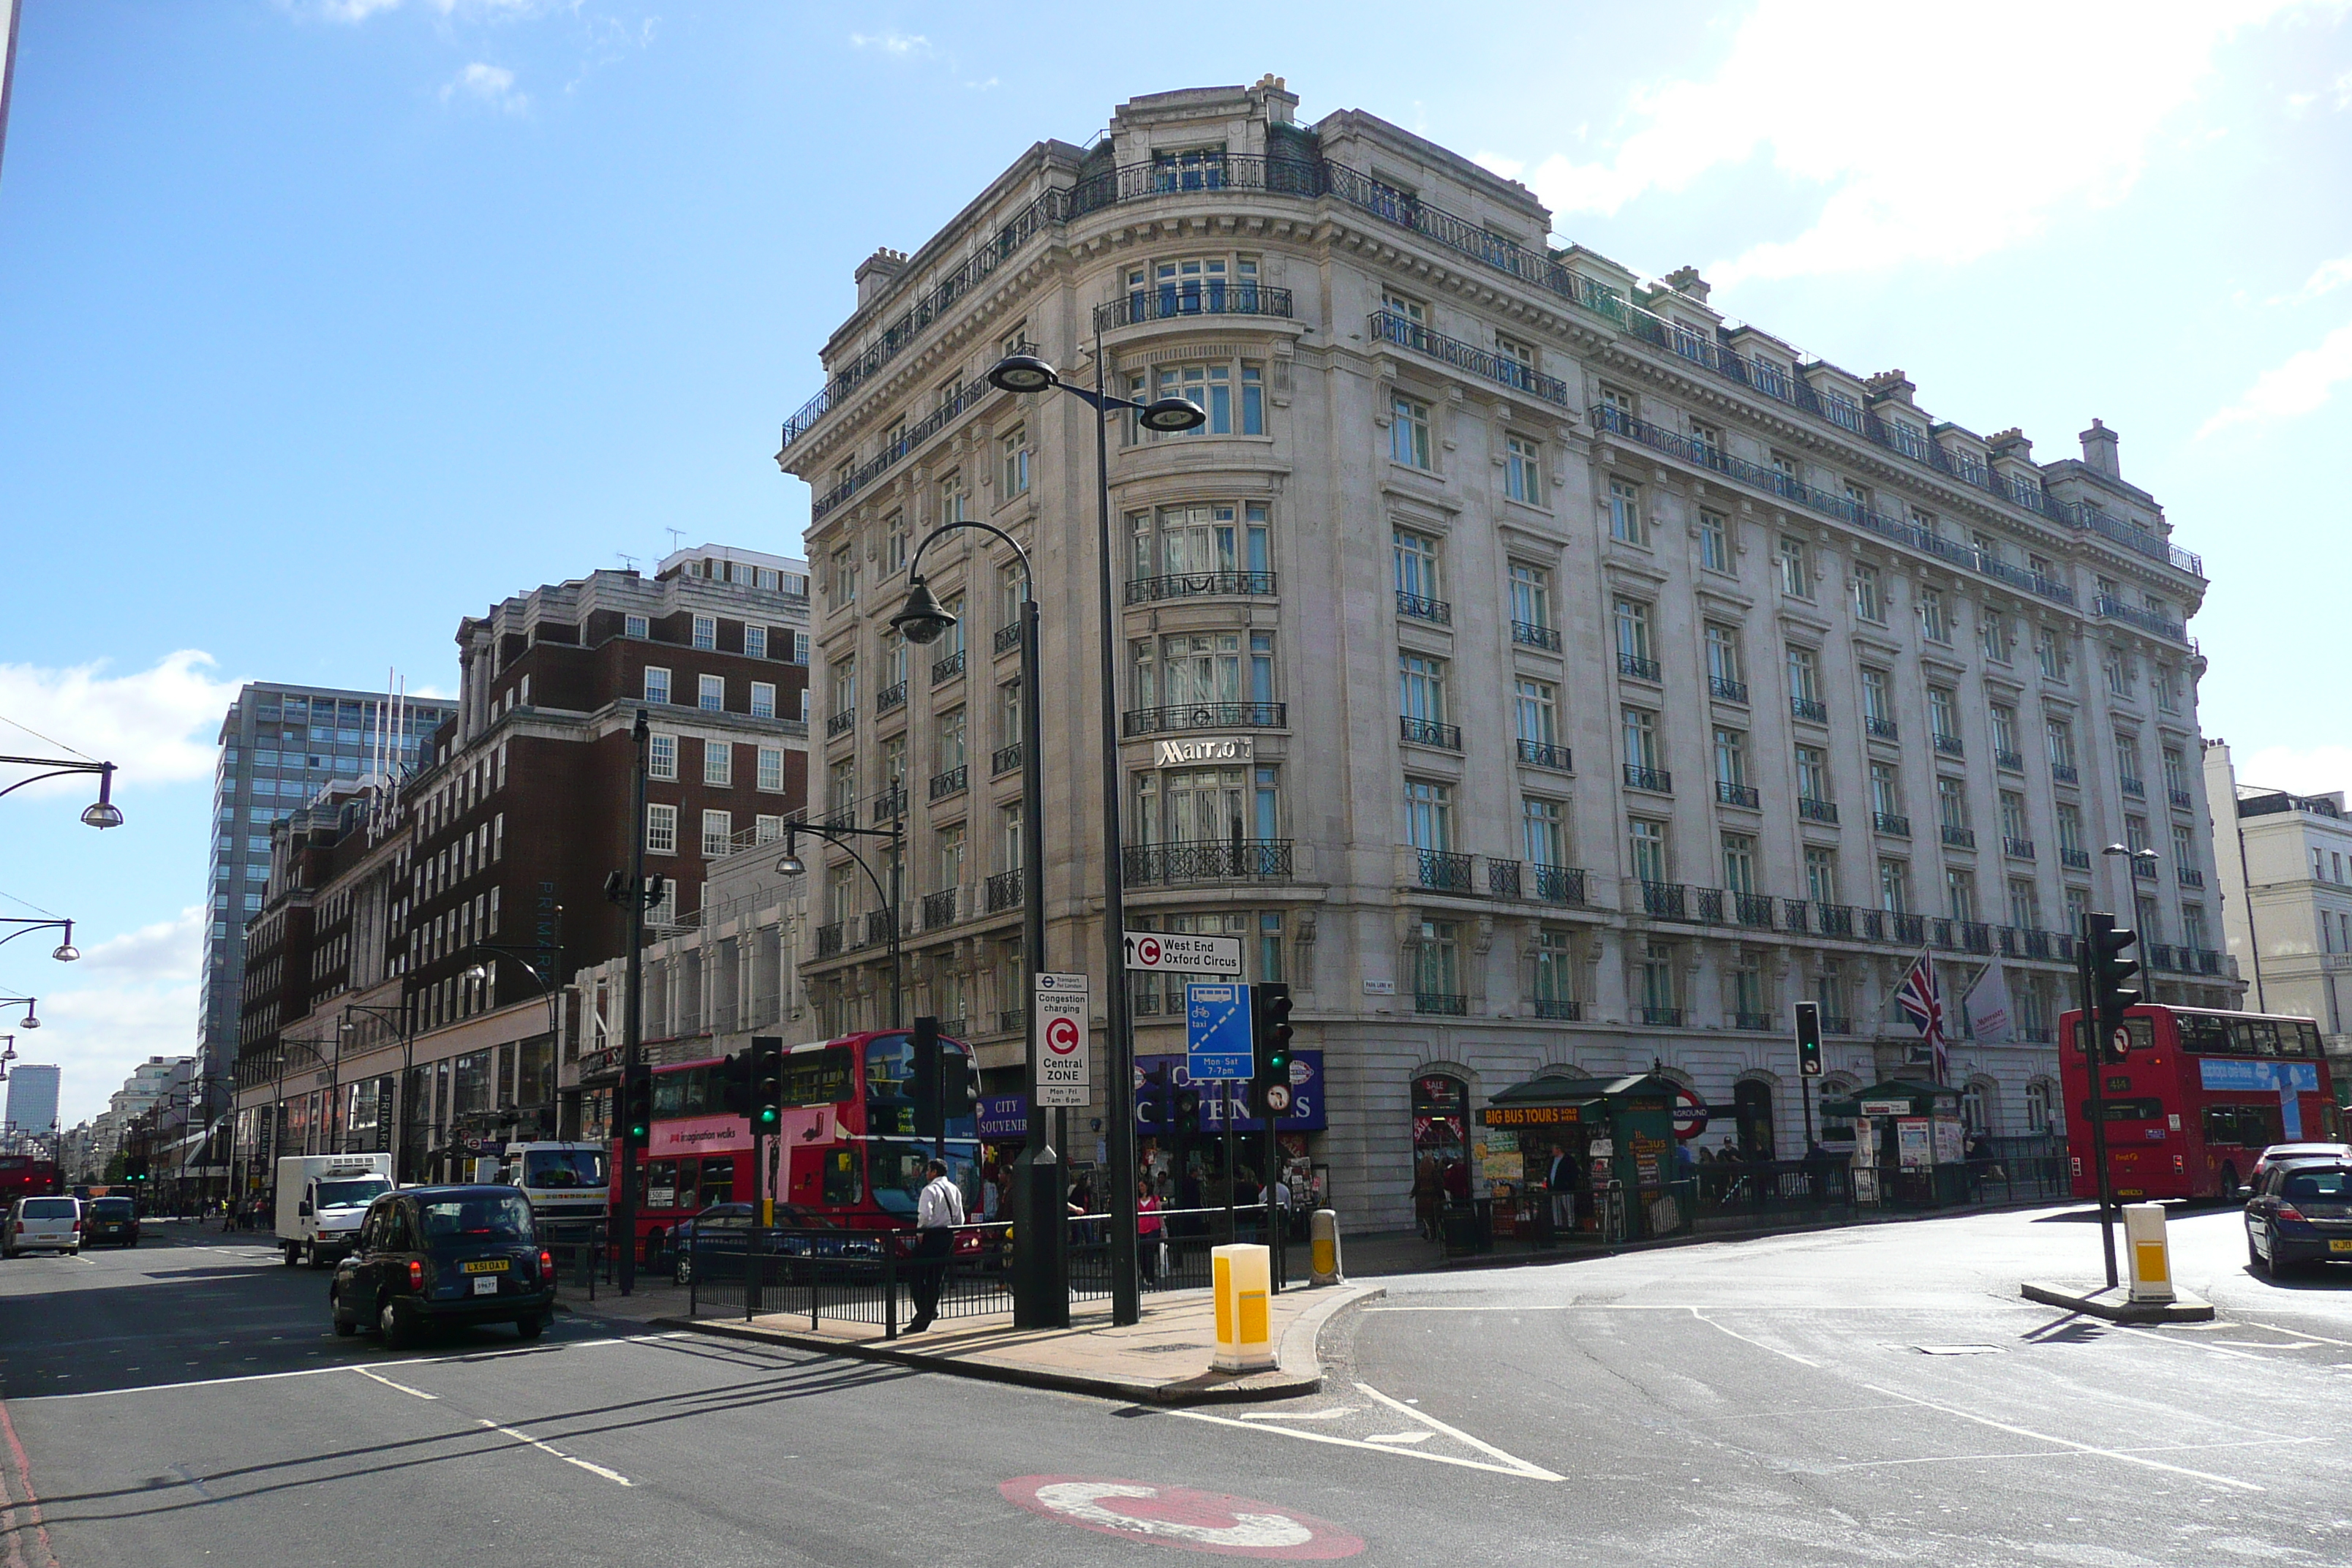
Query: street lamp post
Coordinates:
[64,953]
[399,1019]
[101,813]
[547,976]
[1027,374]
[792,865]
[31,1020]
[634,893]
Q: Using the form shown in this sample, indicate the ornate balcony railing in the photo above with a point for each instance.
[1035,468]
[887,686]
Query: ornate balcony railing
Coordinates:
[1911,931]
[1959,838]
[1205,716]
[828,939]
[1446,1004]
[1423,609]
[2017,848]
[1560,884]
[1881,729]
[1012,1020]
[1003,760]
[1976,937]
[1445,871]
[846,816]
[1209,860]
[1503,878]
[890,803]
[2009,762]
[2135,789]
[1197,586]
[880,924]
[1836,1024]
[2182,799]
[1172,301]
[922,430]
[939,909]
[2143,870]
[1730,794]
[2162,625]
[1730,691]
[1544,754]
[1390,328]
[2075,860]
[1807,708]
[1757,1022]
[1891,822]
[947,668]
[1661,1017]
[1813,810]
[1001,891]
[1657,780]
[1564,1008]
[889,697]
[2065,772]
[1950,745]
[1638,667]
[1430,732]
[1665,900]
[2190,877]
[841,723]
[1007,638]
[1833,920]
[949,781]
[1530,634]
[1752,909]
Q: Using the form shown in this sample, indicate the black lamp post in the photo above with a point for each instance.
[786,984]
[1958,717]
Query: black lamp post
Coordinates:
[101,813]
[792,865]
[400,1018]
[65,951]
[635,893]
[30,1020]
[1040,1283]
[547,973]
[1028,374]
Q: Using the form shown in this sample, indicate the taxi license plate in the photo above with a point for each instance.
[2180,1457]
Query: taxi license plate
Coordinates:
[2336,1246]
[487,1266]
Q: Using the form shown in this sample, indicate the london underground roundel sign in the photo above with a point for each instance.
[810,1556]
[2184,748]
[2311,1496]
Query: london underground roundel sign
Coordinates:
[1690,1112]
[1208,1522]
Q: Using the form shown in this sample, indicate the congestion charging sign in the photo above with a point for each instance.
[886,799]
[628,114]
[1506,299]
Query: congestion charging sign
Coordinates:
[1065,1077]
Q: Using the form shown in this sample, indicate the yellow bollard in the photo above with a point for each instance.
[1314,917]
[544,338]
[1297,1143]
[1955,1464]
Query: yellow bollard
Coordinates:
[1323,1231]
[2151,1255]
[1243,1278]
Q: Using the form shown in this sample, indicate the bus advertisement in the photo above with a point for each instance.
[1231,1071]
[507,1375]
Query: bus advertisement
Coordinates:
[2197,1098]
[845,1155]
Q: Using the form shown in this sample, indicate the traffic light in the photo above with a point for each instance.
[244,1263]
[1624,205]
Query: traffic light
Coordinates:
[732,1078]
[1809,1038]
[1186,1113]
[2111,973]
[924,1086]
[1270,1049]
[767,1082]
[638,1108]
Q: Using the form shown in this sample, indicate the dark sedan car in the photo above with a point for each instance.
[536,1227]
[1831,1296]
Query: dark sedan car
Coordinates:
[2301,1213]
[444,1255]
[716,1241]
[114,1220]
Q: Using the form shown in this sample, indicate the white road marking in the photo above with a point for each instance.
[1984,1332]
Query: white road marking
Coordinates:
[1720,1328]
[1937,1306]
[1431,1422]
[2017,1431]
[404,1388]
[1332,1414]
[1398,1437]
[525,1438]
[321,1371]
[2265,1345]
[2046,1453]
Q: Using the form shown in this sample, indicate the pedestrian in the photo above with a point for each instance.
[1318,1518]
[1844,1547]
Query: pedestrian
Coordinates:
[1427,1193]
[1147,1230]
[939,1209]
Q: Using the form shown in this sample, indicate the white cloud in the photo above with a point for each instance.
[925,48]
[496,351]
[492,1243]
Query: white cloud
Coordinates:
[491,85]
[2297,386]
[131,997]
[160,725]
[893,43]
[2325,278]
[2301,770]
[338,10]
[1983,130]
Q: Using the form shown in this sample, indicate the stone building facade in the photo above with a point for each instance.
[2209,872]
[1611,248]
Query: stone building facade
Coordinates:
[1530,665]
[2285,864]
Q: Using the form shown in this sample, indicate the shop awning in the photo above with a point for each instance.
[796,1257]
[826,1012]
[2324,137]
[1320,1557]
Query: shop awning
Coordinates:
[1554,1098]
[1920,1098]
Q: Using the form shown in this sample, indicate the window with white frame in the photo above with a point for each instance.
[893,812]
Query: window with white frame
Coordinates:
[1994,625]
[1535,705]
[1542,834]
[1421,688]
[705,631]
[1014,453]
[1428,814]
[1523,471]
[718,832]
[1714,542]
[1869,602]
[711,693]
[1625,520]
[1933,623]
[771,767]
[1530,596]
[635,626]
[763,700]
[661,829]
[755,642]
[657,684]
[1198,538]
[1555,968]
[661,757]
[718,764]
[1796,569]
[1231,396]
[1646,840]
[1409,431]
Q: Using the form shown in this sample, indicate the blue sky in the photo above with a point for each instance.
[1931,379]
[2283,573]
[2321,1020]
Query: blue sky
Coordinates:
[323,322]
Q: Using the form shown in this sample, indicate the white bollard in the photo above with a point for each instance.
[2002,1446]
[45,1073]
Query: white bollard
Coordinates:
[1323,1233]
[2151,1255]
[1242,1278]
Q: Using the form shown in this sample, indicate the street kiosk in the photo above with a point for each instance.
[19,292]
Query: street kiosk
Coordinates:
[1581,1158]
[1910,1146]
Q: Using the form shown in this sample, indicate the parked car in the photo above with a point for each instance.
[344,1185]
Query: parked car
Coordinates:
[2301,1213]
[717,1240]
[50,1223]
[2277,1152]
[444,1255]
[114,1220]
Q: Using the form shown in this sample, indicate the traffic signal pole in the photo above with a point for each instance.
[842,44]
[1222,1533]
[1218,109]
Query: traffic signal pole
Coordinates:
[633,1043]
[2088,1041]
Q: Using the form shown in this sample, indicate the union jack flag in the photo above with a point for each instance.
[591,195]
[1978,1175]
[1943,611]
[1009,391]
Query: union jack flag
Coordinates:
[1919,1001]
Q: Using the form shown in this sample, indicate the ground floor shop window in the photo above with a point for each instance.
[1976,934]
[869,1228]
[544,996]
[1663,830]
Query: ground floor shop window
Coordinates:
[1752,1110]
[1441,1149]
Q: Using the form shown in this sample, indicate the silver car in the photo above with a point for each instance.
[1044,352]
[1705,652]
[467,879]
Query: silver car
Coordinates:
[52,1223]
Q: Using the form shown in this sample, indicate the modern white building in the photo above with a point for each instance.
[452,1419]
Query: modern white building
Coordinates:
[1532,666]
[32,1099]
[2286,899]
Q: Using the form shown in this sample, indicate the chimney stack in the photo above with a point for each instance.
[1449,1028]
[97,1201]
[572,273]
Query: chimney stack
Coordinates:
[2099,451]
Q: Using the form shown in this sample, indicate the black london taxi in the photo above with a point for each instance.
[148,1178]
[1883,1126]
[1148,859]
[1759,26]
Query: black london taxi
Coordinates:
[444,1255]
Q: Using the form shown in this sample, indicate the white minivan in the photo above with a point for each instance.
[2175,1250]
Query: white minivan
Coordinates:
[54,1223]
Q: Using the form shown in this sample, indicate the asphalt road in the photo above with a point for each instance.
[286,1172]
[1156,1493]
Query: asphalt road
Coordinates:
[1870,1396]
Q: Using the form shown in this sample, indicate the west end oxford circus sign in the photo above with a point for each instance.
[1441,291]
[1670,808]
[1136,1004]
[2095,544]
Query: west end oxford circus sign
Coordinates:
[1207,748]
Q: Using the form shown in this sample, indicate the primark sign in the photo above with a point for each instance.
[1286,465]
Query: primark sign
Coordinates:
[1206,750]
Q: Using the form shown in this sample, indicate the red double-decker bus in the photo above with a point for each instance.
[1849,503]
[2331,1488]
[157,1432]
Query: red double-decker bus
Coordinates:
[845,1155]
[2197,1098]
[27,1176]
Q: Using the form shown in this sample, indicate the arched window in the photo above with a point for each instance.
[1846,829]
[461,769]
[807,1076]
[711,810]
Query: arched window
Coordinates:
[2038,1117]
[1976,1105]
[1752,1106]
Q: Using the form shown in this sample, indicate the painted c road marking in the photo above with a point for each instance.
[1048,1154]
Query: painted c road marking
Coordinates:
[1177,1516]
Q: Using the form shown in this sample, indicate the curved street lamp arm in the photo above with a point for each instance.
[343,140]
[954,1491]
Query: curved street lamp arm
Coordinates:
[31,925]
[515,954]
[52,773]
[914,567]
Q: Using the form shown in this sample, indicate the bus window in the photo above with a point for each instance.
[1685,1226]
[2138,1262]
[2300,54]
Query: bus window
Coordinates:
[661,1183]
[841,1184]
[718,1182]
[2145,1109]
[890,1069]
[2223,1125]
[2300,1038]
[2203,1034]
[818,1078]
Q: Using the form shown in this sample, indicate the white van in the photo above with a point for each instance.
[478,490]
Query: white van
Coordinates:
[52,1223]
[322,1198]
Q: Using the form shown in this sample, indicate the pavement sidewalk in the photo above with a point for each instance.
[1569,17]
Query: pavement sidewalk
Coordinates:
[1164,1360]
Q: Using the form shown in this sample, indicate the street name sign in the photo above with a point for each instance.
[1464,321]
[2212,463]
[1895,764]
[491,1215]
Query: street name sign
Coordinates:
[1064,1079]
[1177,952]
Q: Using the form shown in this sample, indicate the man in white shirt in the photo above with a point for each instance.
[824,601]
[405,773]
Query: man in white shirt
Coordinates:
[939,1208]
